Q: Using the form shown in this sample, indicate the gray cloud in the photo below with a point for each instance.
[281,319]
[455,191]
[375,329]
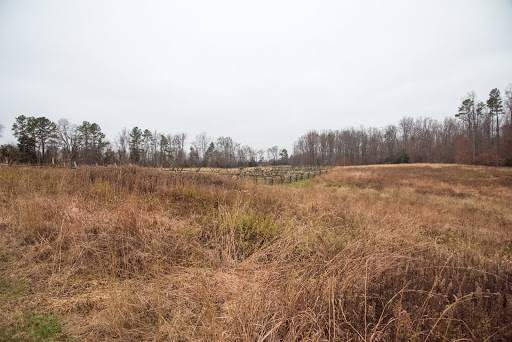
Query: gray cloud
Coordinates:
[261,72]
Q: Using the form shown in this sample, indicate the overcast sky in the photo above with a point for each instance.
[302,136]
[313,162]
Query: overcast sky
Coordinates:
[262,72]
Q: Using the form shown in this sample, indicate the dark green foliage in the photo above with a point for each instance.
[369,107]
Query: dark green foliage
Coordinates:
[9,153]
[110,156]
[148,142]
[45,131]
[23,130]
[91,142]
[36,136]
[165,151]
[495,103]
[208,156]
[135,144]
[284,156]
[401,158]
[465,109]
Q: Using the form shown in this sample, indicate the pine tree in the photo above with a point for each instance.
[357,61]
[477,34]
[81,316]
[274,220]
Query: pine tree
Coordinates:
[147,143]
[165,150]
[135,144]
[495,105]
[468,115]
[45,131]
[23,130]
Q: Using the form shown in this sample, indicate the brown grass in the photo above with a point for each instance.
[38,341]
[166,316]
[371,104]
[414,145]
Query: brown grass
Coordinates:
[390,253]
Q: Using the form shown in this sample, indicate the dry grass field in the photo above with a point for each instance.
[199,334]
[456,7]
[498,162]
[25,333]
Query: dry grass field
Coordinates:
[374,253]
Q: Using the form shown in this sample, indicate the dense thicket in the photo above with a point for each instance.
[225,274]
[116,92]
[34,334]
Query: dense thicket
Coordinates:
[479,133]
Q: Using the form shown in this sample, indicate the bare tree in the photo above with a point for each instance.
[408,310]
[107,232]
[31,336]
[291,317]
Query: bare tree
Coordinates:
[178,148]
[508,102]
[391,137]
[155,149]
[201,145]
[468,114]
[225,152]
[68,136]
[241,154]
[122,144]
[405,125]
[261,156]
[508,108]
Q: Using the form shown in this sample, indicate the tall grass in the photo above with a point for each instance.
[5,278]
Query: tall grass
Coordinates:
[402,253]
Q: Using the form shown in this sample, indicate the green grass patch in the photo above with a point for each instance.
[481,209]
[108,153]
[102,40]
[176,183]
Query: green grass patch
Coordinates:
[11,288]
[35,327]
[299,184]
[252,232]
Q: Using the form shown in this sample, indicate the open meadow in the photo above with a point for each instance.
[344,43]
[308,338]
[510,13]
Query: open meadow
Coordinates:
[372,253]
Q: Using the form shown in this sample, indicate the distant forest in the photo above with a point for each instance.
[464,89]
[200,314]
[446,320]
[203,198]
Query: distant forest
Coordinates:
[479,132]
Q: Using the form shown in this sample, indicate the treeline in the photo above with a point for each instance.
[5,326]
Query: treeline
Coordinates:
[41,141]
[478,133]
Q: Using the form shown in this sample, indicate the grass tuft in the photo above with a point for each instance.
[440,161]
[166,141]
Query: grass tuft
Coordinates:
[35,327]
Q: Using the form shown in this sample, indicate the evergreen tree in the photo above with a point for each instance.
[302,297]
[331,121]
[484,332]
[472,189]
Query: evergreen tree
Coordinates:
[135,144]
[468,115]
[495,105]
[98,143]
[208,155]
[45,131]
[23,130]
[284,156]
[91,142]
[147,143]
[193,157]
[84,141]
[165,150]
